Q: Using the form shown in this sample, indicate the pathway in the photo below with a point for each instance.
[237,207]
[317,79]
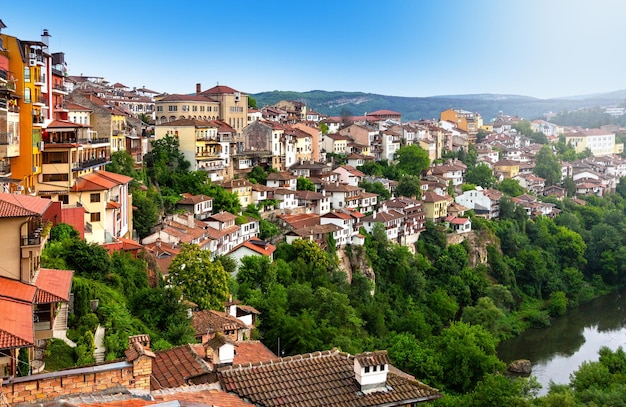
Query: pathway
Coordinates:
[100,352]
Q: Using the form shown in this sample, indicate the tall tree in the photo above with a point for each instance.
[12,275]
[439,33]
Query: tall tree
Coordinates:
[409,185]
[412,159]
[547,166]
[201,281]
[480,175]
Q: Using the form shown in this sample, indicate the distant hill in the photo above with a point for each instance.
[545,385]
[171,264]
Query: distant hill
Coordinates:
[415,108]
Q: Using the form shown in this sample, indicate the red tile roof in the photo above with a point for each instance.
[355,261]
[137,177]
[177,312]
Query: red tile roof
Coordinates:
[252,352]
[218,90]
[211,321]
[317,379]
[258,246]
[17,290]
[209,397]
[16,324]
[53,285]
[100,180]
[16,205]
[173,367]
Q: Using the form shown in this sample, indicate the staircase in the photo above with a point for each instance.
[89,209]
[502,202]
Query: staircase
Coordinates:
[100,352]
[59,328]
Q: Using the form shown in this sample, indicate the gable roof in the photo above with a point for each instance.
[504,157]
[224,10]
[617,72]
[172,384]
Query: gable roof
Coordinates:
[16,205]
[53,285]
[256,245]
[317,379]
[16,324]
[174,367]
[211,321]
[99,181]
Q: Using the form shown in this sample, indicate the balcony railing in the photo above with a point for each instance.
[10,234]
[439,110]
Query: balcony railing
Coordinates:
[4,74]
[96,140]
[91,163]
[60,87]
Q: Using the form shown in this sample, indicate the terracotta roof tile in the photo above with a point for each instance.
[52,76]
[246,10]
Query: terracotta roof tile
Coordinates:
[16,324]
[53,285]
[17,290]
[252,352]
[318,379]
[15,205]
[173,367]
[211,321]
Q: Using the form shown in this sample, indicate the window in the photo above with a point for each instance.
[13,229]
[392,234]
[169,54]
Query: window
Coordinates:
[26,74]
[95,216]
[367,369]
[95,197]
[59,157]
[172,108]
[55,178]
[65,199]
[27,95]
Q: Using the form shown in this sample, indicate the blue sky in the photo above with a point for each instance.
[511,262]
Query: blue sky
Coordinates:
[539,48]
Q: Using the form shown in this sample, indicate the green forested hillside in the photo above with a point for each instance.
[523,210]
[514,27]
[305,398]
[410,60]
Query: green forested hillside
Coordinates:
[337,103]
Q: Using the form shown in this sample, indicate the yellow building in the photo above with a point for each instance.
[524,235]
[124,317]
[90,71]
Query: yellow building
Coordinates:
[233,105]
[600,142]
[506,168]
[241,187]
[29,65]
[464,120]
[177,107]
[436,206]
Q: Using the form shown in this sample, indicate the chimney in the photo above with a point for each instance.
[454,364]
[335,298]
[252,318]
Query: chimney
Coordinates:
[45,35]
[223,350]
[370,371]
[198,88]
[190,221]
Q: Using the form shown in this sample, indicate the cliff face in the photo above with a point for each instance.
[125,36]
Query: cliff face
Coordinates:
[353,260]
[478,241]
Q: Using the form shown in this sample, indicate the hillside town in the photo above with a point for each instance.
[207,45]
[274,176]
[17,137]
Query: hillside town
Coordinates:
[58,133]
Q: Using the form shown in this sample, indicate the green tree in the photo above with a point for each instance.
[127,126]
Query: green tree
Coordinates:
[323,128]
[122,163]
[200,280]
[256,272]
[305,184]
[466,353]
[547,166]
[257,175]
[409,186]
[147,213]
[510,187]
[251,102]
[412,159]
[376,187]
[480,175]
[23,363]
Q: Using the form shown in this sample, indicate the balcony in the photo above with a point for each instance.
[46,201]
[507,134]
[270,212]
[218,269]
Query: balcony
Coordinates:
[40,80]
[60,89]
[83,165]
[38,120]
[94,140]
[206,138]
[42,101]
[208,154]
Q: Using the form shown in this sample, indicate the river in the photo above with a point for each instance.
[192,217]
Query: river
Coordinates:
[557,351]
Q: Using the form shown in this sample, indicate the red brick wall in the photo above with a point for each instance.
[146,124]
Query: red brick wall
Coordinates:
[77,381]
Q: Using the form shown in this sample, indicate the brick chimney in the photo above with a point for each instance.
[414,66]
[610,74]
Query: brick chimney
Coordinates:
[140,355]
[198,88]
